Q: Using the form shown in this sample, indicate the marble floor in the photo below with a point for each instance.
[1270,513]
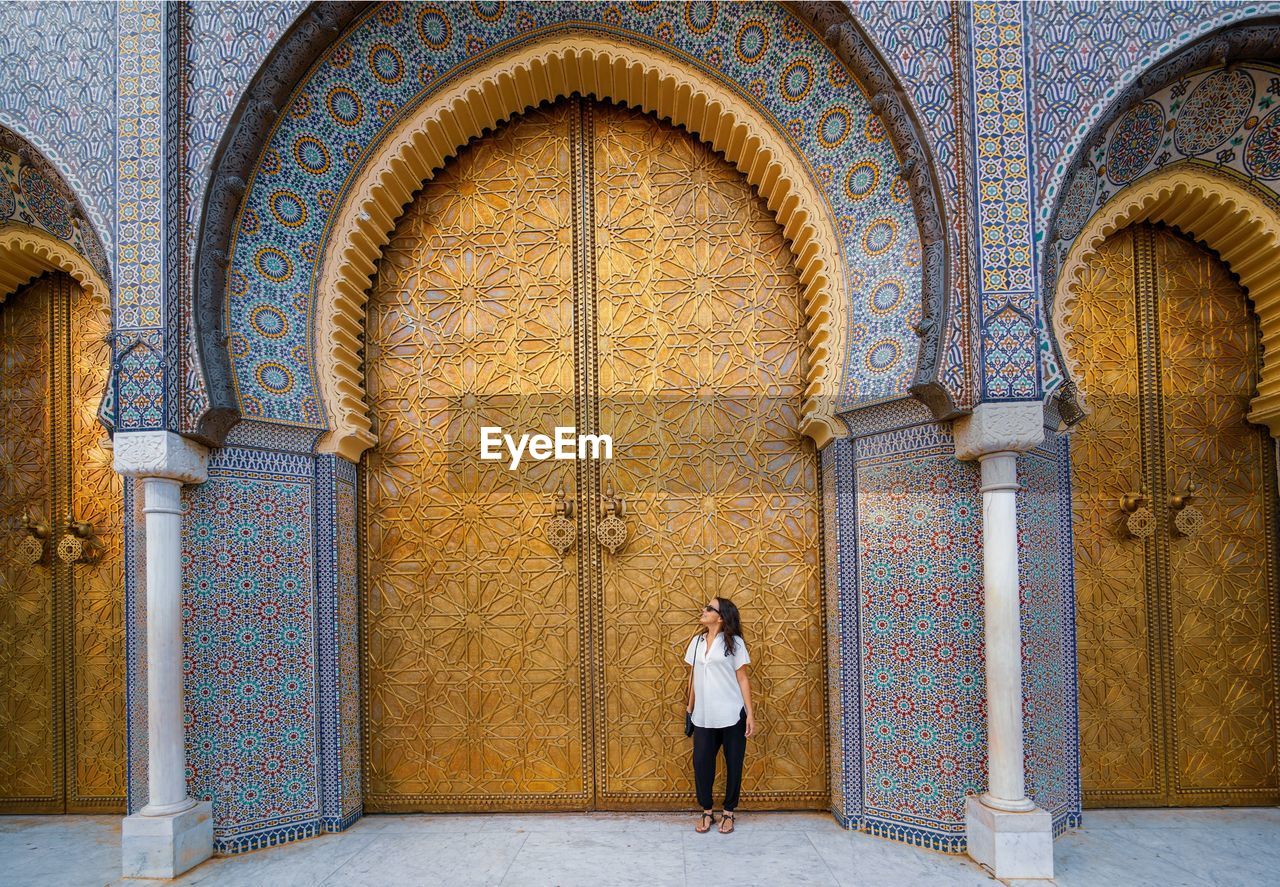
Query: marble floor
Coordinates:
[1116,848]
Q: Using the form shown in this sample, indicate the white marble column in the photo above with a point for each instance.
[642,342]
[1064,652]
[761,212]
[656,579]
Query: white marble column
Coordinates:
[1004,828]
[173,832]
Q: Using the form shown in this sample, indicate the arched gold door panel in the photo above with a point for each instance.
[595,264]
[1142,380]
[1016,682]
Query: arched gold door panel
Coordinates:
[585,266]
[61,615]
[474,631]
[700,382]
[1176,591]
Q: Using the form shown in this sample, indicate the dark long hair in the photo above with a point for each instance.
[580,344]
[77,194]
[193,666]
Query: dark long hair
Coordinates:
[732,628]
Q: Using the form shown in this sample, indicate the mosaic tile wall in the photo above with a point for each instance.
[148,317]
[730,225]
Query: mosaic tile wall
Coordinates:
[393,60]
[924,43]
[221,46]
[906,513]
[250,647]
[1050,728]
[58,65]
[919,574]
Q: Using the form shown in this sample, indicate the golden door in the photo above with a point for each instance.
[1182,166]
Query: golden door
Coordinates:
[1175,533]
[590,267]
[61,574]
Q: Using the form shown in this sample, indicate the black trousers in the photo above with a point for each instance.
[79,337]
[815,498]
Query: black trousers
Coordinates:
[707,742]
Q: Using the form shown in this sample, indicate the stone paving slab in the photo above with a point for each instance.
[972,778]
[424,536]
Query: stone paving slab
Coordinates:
[1115,848]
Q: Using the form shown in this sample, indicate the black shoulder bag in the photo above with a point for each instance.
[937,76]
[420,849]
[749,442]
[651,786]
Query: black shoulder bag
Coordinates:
[688,715]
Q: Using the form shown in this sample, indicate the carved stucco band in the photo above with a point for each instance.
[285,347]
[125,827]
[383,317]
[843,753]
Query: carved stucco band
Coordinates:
[1257,39]
[854,47]
[313,32]
[1229,217]
[246,135]
[999,428]
[160,454]
[27,252]
[555,66]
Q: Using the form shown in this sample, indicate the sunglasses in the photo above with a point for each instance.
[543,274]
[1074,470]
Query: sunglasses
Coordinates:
[710,609]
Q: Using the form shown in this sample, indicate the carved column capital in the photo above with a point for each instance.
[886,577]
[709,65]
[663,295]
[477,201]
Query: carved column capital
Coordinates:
[161,454]
[999,428]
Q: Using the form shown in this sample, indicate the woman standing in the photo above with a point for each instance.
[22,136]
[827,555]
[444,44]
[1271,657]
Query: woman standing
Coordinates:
[720,704]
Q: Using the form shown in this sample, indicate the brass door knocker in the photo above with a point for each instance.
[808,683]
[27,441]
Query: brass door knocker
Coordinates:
[78,545]
[1187,520]
[611,532]
[32,547]
[561,529]
[1140,523]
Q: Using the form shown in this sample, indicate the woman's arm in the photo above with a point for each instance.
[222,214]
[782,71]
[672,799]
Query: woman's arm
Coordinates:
[689,708]
[745,684]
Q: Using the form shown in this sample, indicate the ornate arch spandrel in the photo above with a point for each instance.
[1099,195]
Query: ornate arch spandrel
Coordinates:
[27,252]
[303,53]
[1228,216]
[1234,40]
[555,67]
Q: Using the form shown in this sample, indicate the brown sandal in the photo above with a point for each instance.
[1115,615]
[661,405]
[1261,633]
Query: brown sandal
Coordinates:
[726,817]
[703,826]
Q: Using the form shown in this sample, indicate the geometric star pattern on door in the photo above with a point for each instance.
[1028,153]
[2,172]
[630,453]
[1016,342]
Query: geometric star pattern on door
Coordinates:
[500,672]
[1176,629]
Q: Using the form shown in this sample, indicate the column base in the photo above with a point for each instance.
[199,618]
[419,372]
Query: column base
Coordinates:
[166,846]
[1011,845]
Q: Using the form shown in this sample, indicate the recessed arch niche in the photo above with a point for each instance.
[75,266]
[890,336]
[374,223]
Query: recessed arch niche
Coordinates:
[292,226]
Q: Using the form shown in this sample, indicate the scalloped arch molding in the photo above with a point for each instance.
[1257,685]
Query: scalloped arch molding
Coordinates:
[27,252]
[407,85]
[1230,216]
[43,226]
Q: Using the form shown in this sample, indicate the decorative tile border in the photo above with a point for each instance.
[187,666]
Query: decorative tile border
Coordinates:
[1003,199]
[840,503]
[138,317]
[135,647]
[338,648]
[1051,726]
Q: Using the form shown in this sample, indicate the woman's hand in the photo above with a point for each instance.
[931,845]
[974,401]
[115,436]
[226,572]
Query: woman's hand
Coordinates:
[751,724]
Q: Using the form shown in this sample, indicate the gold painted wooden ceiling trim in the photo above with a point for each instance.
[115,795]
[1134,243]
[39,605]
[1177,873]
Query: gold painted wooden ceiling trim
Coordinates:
[27,252]
[1228,217]
[556,67]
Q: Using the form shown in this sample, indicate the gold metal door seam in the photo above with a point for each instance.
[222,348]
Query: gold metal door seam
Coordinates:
[587,474]
[1150,409]
[61,573]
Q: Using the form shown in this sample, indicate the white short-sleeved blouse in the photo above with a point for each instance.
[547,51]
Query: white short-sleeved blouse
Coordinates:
[717,698]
